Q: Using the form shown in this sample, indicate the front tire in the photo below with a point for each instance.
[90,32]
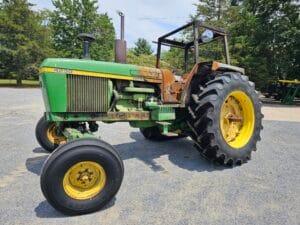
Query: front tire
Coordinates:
[82,176]
[226,119]
[48,135]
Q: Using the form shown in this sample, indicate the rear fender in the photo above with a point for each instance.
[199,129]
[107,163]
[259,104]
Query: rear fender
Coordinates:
[204,69]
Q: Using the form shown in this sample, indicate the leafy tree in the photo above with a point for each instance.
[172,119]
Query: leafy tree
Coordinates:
[24,40]
[142,47]
[270,35]
[72,17]
[212,9]
[264,35]
[145,60]
[175,58]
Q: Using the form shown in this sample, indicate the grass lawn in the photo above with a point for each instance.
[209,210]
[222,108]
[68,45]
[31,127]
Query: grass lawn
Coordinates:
[12,83]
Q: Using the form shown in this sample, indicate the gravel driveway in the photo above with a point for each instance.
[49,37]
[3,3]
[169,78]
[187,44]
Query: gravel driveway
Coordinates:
[164,183]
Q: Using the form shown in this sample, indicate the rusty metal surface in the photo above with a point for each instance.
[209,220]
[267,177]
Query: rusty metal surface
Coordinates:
[120,51]
[177,91]
[126,116]
[186,84]
[150,73]
[120,44]
[186,45]
[147,74]
[109,116]
[171,89]
[217,66]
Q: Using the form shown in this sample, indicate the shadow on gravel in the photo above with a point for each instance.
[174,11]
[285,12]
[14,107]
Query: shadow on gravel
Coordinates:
[45,210]
[39,150]
[180,152]
[35,164]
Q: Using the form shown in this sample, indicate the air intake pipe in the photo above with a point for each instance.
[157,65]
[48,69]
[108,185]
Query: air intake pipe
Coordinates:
[86,39]
[120,44]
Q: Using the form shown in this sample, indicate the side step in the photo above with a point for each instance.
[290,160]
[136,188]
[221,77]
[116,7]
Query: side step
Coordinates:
[165,128]
[171,134]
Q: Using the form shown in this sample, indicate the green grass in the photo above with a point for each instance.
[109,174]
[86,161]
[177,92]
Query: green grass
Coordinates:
[12,83]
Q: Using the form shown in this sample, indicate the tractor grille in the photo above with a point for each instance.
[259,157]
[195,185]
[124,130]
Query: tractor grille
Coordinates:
[87,94]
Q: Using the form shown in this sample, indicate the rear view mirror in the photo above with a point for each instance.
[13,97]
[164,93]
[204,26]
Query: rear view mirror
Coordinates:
[207,36]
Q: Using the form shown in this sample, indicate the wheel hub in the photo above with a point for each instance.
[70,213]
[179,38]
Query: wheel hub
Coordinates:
[232,118]
[237,119]
[53,135]
[84,180]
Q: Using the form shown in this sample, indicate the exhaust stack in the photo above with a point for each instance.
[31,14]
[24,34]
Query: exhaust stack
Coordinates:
[120,44]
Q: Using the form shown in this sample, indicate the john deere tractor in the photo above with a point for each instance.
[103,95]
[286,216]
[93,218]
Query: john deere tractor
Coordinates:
[214,103]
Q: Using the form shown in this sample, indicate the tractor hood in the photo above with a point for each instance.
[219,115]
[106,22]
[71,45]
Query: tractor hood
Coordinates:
[101,69]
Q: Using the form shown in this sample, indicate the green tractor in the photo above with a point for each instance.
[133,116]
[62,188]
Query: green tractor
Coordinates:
[214,103]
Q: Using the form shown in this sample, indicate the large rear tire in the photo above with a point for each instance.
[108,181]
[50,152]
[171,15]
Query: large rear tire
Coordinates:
[82,176]
[226,119]
[48,135]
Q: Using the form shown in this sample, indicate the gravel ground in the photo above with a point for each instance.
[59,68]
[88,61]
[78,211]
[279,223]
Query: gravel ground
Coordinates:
[282,113]
[164,183]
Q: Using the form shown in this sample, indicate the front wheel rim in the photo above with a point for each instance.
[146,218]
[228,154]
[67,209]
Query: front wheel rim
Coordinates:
[84,180]
[237,119]
[53,137]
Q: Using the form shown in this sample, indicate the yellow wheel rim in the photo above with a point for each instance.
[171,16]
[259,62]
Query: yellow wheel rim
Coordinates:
[84,180]
[237,119]
[53,137]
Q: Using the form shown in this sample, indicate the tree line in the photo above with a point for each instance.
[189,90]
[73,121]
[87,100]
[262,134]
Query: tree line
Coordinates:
[27,36]
[264,36]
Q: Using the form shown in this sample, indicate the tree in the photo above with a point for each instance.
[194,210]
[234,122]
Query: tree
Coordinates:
[72,17]
[142,47]
[211,9]
[24,40]
[271,38]
[175,58]
[145,60]
[263,35]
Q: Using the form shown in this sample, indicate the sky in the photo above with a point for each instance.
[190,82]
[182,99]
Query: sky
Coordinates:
[147,19]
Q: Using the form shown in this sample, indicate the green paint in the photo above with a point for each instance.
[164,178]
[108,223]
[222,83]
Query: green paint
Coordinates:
[72,134]
[163,113]
[93,66]
[130,102]
[85,117]
[142,124]
[164,127]
[110,90]
[54,89]
[290,95]
[139,90]
[126,105]
[133,99]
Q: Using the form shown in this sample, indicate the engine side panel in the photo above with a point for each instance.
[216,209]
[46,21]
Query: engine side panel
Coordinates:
[54,90]
[102,69]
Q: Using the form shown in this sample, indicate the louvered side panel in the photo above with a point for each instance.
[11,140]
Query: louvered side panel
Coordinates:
[87,94]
